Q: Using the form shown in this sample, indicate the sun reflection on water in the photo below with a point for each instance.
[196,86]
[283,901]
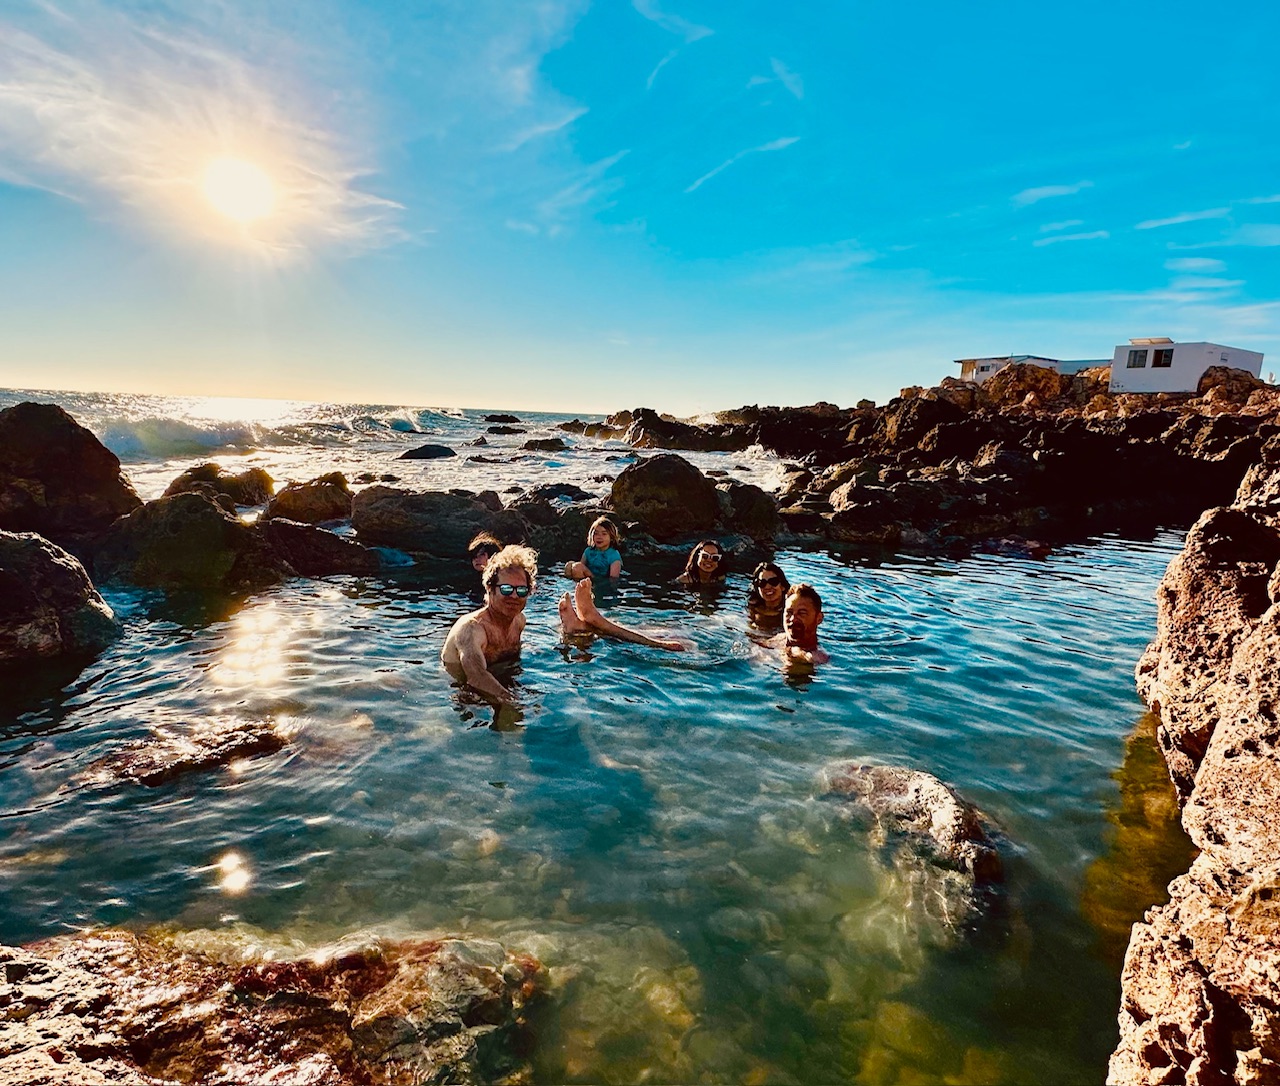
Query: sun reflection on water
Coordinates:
[255,655]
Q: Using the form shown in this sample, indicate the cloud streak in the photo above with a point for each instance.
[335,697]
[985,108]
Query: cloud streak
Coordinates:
[682,28]
[1186,216]
[772,145]
[1093,235]
[122,115]
[1033,196]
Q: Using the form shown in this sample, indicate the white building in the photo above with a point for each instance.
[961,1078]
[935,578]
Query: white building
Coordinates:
[1160,365]
[979,370]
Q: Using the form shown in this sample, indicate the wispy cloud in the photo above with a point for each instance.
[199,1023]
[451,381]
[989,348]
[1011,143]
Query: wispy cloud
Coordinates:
[1045,192]
[590,186]
[682,28]
[121,113]
[1184,145]
[815,265]
[1093,235]
[788,78]
[1066,224]
[773,145]
[1263,200]
[1264,235]
[1195,264]
[1186,216]
[546,128]
[1201,282]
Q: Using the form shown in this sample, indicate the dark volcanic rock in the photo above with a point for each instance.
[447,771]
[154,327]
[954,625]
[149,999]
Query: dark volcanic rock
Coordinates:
[432,521]
[667,495]
[751,511]
[167,755]
[427,452]
[552,491]
[56,478]
[114,1007]
[187,541]
[315,552]
[252,486]
[506,430]
[500,418]
[545,444]
[48,606]
[326,498]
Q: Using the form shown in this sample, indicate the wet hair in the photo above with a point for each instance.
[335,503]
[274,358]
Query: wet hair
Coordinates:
[754,599]
[484,542]
[615,537]
[692,572]
[511,557]
[805,592]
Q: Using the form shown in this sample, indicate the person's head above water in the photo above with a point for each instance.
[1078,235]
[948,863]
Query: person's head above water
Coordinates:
[769,587]
[603,533]
[513,568]
[802,616]
[481,549]
[707,563]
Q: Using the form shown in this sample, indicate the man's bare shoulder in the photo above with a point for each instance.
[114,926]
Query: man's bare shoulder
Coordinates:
[467,631]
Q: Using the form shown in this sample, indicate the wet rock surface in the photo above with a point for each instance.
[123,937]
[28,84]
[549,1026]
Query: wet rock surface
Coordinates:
[320,500]
[668,495]
[57,478]
[1201,983]
[48,606]
[170,753]
[252,486]
[188,541]
[427,452]
[115,1007]
[315,552]
[435,522]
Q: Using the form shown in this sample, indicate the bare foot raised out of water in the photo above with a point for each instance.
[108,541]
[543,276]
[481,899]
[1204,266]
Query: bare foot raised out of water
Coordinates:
[586,617]
[569,617]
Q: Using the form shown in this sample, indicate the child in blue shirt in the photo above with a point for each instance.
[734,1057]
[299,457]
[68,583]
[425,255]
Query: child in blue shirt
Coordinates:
[601,558]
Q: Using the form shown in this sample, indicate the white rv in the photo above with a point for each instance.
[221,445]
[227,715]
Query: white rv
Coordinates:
[1160,365]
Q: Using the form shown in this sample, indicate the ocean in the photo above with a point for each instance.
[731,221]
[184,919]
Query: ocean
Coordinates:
[654,827]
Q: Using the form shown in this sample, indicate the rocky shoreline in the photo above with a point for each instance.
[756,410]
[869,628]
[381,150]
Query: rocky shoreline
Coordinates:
[1027,460]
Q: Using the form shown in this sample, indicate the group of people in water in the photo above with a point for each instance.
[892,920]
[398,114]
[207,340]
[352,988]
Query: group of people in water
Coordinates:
[491,635]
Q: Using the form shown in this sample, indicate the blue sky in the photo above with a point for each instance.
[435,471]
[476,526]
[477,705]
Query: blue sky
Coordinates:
[589,206]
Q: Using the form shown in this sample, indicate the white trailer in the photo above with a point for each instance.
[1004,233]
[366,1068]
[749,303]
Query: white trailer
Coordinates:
[1161,365]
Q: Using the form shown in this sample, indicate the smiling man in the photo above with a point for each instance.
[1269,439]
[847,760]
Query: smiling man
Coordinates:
[491,635]
[800,620]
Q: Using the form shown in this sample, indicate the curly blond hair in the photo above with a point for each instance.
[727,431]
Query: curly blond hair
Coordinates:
[512,557]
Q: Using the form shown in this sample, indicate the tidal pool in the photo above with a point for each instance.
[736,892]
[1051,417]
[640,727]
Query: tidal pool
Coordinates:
[654,828]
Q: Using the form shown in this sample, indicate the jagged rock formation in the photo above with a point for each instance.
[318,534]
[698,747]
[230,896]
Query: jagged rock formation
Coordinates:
[114,1007]
[1201,981]
[326,498]
[252,486]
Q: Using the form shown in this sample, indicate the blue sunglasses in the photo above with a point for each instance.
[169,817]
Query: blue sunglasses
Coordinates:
[519,590]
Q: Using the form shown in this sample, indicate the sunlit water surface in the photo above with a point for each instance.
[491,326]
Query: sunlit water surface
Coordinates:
[653,829]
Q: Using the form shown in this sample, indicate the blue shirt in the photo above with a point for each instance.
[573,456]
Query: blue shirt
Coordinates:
[598,561]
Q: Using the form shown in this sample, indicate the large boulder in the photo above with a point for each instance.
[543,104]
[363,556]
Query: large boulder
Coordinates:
[1010,386]
[316,552]
[48,606]
[427,452]
[1201,983]
[326,498]
[667,495]
[188,541]
[1231,384]
[434,522]
[56,478]
[115,1007]
[750,510]
[252,486]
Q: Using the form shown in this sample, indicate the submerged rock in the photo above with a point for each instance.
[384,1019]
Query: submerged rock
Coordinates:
[56,478]
[207,745]
[114,1007]
[252,486]
[326,498]
[48,606]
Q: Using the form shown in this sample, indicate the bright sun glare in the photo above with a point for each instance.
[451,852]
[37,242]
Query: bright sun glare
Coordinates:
[238,189]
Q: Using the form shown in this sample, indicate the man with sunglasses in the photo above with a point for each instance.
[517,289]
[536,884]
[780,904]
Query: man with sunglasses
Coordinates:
[491,635]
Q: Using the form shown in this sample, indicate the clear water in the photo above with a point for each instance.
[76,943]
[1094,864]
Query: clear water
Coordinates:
[654,829]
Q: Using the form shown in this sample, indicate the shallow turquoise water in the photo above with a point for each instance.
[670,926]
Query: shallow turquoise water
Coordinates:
[654,832]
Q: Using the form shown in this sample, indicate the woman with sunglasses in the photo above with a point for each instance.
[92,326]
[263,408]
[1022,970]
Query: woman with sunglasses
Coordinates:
[768,595]
[706,567]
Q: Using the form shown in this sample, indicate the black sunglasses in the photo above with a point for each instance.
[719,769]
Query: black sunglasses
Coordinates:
[518,590]
[768,580]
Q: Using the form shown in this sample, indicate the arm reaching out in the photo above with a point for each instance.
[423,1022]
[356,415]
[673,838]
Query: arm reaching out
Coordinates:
[476,669]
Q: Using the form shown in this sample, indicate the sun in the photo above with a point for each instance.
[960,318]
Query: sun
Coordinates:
[238,189]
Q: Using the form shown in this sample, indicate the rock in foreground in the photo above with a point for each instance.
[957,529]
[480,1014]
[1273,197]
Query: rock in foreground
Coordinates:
[1201,984]
[168,755]
[116,1008]
[48,607]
